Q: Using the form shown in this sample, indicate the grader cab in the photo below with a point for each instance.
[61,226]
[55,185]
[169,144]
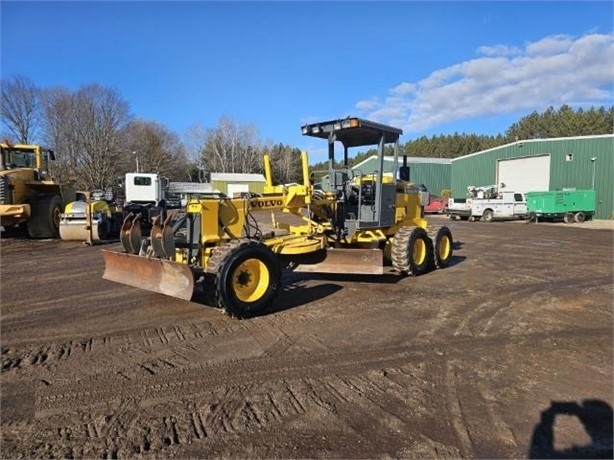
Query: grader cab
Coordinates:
[358,224]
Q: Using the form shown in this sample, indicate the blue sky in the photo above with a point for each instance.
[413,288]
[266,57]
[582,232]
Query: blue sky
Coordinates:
[428,67]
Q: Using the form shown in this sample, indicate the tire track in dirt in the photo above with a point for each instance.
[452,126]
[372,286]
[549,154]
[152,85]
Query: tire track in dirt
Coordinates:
[116,348]
[375,400]
[175,382]
[456,412]
[231,411]
[15,359]
[184,341]
[181,382]
[479,319]
[216,413]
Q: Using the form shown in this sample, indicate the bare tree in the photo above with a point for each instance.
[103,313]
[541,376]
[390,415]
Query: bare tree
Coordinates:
[156,149]
[87,129]
[20,111]
[195,140]
[59,126]
[230,147]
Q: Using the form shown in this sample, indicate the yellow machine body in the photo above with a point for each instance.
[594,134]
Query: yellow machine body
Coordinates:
[220,245]
[28,193]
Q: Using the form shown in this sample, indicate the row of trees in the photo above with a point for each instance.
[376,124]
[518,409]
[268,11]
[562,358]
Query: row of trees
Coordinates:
[564,122]
[97,140]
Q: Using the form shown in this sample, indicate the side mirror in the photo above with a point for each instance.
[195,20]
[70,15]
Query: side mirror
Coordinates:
[51,155]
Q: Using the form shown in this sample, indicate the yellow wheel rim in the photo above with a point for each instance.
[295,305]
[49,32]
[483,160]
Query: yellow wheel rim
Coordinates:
[250,280]
[443,249]
[419,251]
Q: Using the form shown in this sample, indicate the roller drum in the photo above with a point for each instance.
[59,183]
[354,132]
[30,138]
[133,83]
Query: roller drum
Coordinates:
[76,230]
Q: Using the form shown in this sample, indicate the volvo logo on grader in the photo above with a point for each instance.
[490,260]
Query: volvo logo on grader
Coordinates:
[266,203]
[351,230]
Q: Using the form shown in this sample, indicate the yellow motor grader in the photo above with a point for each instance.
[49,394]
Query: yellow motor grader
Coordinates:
[357,224]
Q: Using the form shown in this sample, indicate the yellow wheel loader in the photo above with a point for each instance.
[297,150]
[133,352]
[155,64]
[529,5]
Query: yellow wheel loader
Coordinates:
[357,224]
[29,197]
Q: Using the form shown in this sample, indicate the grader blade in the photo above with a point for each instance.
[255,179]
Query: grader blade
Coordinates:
[151,274]
[343,261]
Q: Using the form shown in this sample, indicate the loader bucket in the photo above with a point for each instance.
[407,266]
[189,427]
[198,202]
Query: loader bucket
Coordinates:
[152,274]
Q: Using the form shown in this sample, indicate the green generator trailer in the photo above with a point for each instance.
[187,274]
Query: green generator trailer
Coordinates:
[566,205]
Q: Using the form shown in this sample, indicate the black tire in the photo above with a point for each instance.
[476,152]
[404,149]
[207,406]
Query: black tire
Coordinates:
[412,251]
[488,215]
[579,217]
[104,229]
[45,213]
[248,279]
[442,247]
[568,218]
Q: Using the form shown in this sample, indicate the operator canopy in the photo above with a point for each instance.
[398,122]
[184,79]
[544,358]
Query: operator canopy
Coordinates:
[352,131]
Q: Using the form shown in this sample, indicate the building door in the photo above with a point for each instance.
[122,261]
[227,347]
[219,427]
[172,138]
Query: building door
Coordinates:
[236,189]
[525,174]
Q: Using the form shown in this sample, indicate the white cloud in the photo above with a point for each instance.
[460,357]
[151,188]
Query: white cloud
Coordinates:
[499,50]
[550,45]
[369,105]
[555,70]
[403,89]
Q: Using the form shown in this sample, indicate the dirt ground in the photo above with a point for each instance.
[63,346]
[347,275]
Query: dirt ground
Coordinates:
[507,353]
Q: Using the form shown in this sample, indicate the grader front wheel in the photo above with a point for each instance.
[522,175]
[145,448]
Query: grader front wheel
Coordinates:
[248,278]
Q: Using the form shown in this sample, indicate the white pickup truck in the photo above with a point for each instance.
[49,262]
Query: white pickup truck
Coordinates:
[459,208]
[510,205]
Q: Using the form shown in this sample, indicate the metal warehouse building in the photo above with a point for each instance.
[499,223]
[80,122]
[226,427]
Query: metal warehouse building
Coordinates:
[236,183]
[580,163]
[434,173]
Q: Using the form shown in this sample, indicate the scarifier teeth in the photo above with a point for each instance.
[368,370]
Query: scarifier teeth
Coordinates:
[130,234]
[162,238]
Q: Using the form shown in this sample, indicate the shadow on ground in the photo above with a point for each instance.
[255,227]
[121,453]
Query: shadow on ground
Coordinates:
[595,416]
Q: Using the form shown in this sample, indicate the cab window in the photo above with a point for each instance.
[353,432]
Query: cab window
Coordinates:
[142,180]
